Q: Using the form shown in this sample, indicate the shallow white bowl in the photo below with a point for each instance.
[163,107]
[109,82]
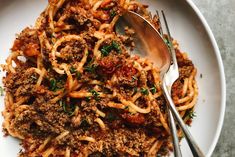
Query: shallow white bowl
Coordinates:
[187,25]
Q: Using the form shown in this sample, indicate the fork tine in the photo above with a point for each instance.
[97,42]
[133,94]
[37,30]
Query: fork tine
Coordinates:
[165,21]
[160,29]
[172,50]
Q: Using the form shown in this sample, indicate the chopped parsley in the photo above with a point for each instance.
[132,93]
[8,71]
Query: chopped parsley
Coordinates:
[134,78]
[95,94]
[116,46]
[87,98]
[73,70]
[53,84]
[78,75]
[105,50]
[112,13]
[153,90]
[69,109]
[144,91]
[91,68]
[190,114]
[62,103]
[135,90]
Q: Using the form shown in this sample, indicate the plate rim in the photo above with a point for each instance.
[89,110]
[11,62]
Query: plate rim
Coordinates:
[221,72]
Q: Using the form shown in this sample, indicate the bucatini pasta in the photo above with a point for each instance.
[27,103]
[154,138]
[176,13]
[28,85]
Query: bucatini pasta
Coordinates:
[78,92]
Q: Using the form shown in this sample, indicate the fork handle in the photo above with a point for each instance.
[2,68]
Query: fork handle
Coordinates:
[196,151]
[175,139]
[174,136]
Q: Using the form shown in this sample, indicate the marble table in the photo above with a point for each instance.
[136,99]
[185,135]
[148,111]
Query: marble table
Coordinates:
[220,14]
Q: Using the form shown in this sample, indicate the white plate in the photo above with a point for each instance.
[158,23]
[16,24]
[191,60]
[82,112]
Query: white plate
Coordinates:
[187,25]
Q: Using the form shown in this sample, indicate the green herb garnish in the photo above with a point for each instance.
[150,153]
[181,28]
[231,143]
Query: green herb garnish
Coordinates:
[53,84]
[112,13]
[105,50]
[134,78]
[91,68]
[69,109]
[144,91]
[190,114]
[78,75]
[62,103]
[95,94]
[72,70]
[153,90]
[135,90]
[87,98]
[116,46]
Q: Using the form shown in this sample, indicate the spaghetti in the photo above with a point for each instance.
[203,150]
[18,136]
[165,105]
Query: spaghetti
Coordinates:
[73,89]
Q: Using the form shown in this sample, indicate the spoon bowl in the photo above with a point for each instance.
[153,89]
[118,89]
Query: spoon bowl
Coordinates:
[148,42]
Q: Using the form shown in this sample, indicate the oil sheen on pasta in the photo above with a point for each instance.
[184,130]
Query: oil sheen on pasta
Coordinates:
[73,89]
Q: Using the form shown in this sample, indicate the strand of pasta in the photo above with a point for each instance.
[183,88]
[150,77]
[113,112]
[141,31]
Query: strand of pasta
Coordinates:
[191,90]
[53,8]
[44,42]
[62,135]
[43,145]
[116,105]
[67,152]
[60,22]
[133,106]
[185,86]
[110,25]
[40,79]
[100,113]
[97,5]
[162,118]
[48,152]
[83,61]
[86,138]
[66,38]
[69,81]
[64,28]
[154,149]
[84,94]
[189,105]
[101,123]
[9,60]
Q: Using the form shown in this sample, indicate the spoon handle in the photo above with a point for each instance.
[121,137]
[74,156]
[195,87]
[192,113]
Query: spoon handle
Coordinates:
[175,139]
[177,151]
[196,151]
